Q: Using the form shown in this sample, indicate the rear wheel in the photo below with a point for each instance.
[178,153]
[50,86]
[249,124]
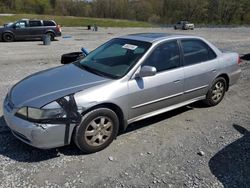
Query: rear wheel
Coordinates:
[97,130]
[8,37]
[51,35]
[216,92]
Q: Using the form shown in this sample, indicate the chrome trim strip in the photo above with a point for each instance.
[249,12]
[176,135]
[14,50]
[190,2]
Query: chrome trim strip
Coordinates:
[157,100]
[169,108]
[195,89]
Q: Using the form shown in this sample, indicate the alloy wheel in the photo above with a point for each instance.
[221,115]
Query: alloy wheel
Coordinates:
[98,131]
[218,91]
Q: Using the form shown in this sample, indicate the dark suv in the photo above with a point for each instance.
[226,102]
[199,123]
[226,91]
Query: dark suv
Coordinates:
[29,29]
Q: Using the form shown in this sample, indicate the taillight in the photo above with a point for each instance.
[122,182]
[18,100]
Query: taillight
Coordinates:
[239,60]
[59,28]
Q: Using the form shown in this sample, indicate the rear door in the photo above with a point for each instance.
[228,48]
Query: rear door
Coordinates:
[149,94]
[35,28]
[200,67]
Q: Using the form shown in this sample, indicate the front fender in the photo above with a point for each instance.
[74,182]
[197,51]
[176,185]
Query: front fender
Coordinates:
[6,31]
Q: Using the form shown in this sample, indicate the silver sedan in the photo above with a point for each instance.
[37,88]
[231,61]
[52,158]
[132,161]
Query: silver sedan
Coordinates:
[127,79]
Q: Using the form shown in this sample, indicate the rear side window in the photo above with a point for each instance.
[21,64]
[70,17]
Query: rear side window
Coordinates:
[196,51]
[35,23]
[48,23]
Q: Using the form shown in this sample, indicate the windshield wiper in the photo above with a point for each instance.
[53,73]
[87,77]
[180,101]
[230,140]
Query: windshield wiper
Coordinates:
[92,70]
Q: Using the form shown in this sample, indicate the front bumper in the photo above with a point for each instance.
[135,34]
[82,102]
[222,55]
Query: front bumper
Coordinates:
[44,136]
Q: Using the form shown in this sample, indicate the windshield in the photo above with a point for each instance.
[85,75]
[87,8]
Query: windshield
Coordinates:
[115,58]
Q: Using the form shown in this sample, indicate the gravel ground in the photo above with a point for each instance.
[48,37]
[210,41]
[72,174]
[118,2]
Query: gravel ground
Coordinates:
[193,146]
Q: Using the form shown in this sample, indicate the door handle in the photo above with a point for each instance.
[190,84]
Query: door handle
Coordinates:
[177,81]
[214,70]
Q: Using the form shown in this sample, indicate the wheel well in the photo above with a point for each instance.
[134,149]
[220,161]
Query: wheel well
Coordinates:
[116,109]
[50,32]
[225,76]
[8,33]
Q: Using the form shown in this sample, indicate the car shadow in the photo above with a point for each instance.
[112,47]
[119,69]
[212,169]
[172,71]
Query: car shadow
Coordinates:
[198,104]
[231,165]
[16,150]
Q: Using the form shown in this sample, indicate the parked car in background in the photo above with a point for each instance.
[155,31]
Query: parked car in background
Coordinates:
[125,80]
[184,25]
[29,29]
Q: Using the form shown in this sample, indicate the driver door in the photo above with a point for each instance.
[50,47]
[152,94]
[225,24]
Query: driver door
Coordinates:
[21,30]
[154,93]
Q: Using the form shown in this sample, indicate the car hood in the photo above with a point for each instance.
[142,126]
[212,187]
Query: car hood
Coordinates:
[46,86]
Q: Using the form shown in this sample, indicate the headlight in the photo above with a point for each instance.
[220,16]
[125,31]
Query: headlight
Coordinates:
[41,114]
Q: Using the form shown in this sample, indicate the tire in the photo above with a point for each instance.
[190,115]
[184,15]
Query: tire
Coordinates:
[8,37]
[71,57]
[52,36]
[216,93]
[175,28]
[97,130]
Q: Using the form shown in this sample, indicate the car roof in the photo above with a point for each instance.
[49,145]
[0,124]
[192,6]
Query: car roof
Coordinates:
[155,37]
[25,19]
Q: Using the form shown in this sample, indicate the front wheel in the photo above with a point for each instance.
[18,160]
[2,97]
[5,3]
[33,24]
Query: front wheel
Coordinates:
[97,130]
[8,37]
[216,92]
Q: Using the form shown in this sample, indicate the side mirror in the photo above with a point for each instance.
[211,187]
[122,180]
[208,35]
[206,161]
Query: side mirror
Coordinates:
[146,71]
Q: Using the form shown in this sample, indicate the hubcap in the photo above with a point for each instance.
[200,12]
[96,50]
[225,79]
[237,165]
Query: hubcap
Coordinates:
[98,131]
[8,37]
[218,91]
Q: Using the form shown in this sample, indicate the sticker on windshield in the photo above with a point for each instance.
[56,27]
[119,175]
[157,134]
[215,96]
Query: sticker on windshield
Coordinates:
[130,46]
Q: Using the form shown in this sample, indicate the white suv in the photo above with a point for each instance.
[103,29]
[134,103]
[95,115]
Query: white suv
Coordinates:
[185,25]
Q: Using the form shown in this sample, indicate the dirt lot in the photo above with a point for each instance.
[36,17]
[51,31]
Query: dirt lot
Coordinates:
[162,151]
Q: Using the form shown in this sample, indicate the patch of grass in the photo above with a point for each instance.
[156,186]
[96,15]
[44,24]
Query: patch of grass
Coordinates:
[70,21]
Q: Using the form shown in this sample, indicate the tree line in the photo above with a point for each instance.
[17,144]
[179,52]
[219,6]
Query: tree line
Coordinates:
[154,11]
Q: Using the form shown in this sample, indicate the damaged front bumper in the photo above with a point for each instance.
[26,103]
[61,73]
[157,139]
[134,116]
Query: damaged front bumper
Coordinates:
[44,136]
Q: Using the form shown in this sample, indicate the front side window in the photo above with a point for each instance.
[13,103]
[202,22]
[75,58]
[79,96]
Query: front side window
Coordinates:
[164,57]
[115,58]
[196,51]
[20,24]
